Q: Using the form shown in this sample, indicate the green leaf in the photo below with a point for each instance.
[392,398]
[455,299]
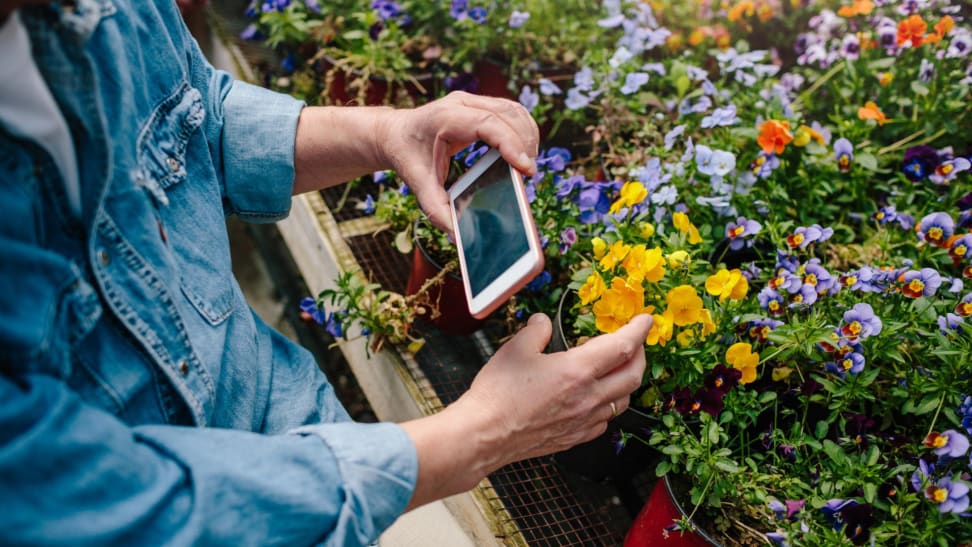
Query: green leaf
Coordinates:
[870,492]
[662,469]
[767,396]
[821,429]
[919,88]
[833,451]
[928,404]
[713,433]
[673,450]
[867,161]
[668,420]
[727,465]
[873,454]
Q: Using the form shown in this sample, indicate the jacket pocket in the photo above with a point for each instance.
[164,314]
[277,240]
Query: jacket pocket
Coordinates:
[190,209]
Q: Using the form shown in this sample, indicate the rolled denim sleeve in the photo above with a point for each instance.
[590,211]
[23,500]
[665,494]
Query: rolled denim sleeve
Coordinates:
[73,474]
[258,135]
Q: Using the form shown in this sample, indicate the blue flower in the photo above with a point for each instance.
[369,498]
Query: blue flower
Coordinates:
[721,117]
[369,205]
[333,325]
[251,32]
[672,135]
[518,18]
[478,14]
[633,82]
[539,282]
[529,98]
[547,87]
[309,306]
[576,99]
[714,162]
[843,153]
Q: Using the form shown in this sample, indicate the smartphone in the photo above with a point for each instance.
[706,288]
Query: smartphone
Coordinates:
[499,249]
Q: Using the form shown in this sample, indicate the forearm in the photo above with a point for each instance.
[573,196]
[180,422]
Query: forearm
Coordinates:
[454,453]
[337,144]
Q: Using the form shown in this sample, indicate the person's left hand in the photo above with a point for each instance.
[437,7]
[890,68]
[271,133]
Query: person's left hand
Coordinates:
[420,142]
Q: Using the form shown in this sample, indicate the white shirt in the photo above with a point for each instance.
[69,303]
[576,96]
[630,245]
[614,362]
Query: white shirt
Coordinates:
[28,110]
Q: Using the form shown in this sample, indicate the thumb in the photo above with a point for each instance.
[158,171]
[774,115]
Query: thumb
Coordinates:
[534,337]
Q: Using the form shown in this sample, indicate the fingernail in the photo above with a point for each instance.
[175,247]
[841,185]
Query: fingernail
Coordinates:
[536,319]
[525,160]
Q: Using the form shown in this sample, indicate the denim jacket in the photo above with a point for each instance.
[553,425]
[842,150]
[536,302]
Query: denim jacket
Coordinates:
[141,400]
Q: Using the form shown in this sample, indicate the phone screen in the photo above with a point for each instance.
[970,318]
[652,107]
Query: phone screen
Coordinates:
[490,226]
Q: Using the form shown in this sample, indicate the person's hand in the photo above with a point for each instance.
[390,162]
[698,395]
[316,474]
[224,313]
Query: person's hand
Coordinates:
[546,403]
[525,403]
[419,143]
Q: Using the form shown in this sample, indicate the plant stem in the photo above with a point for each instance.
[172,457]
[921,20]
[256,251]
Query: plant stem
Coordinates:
[701,496]
[941,403]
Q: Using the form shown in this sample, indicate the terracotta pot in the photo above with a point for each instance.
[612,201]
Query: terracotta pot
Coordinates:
[659,512]
[493,78]
[454,317]
[598,459]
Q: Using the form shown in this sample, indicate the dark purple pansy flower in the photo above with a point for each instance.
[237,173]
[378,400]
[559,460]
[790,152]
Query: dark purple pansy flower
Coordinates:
[723,378]
[463,81]
[568,236]
[919,162]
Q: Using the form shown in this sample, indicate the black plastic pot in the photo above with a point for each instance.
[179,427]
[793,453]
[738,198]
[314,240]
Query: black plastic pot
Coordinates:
[599,460]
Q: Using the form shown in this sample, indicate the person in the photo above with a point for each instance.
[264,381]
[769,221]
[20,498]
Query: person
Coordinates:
[141,400]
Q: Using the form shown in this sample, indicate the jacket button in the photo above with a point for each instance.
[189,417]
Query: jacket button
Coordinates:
[183,368]
[173,163]
[103,257]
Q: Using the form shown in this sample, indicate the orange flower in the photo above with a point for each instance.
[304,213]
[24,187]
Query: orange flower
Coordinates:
[696,37]
[912,30]
[870,111]
[740,10]
[944,26]
[764,11]
[774,135]
[859,7]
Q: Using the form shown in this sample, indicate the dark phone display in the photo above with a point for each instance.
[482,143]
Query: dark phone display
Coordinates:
[490,226]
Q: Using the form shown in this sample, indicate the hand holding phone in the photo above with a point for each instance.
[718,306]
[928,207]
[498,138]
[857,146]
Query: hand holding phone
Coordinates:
[499,250]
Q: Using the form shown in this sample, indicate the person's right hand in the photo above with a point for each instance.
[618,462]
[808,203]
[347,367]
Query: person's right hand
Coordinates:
[525,403]
[546,403]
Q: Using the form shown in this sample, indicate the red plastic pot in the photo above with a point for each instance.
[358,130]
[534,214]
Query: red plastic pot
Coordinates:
[650,527]
[454,317]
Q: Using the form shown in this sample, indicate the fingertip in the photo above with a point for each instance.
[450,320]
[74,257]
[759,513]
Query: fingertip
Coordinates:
[526,165]
[538,319]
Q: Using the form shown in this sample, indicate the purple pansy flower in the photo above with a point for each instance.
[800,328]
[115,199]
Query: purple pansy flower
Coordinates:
[518,18]
[946,171]
[917,283]
[950,323]
[852,363]
[936,228]
[860,322]
[843,153]
[741,231]
[568,236]
[951,496]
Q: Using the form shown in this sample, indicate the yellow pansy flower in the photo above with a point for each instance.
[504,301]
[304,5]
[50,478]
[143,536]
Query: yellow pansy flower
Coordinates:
[685,338]
[684,304]
[682,224]
[618,305]
[661,329]
[592,289]
[677,259]
[632,193]
[727,284]
[614,255]
[642,263]
[740,356]
[600,246]
[647,229]
[708,325]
